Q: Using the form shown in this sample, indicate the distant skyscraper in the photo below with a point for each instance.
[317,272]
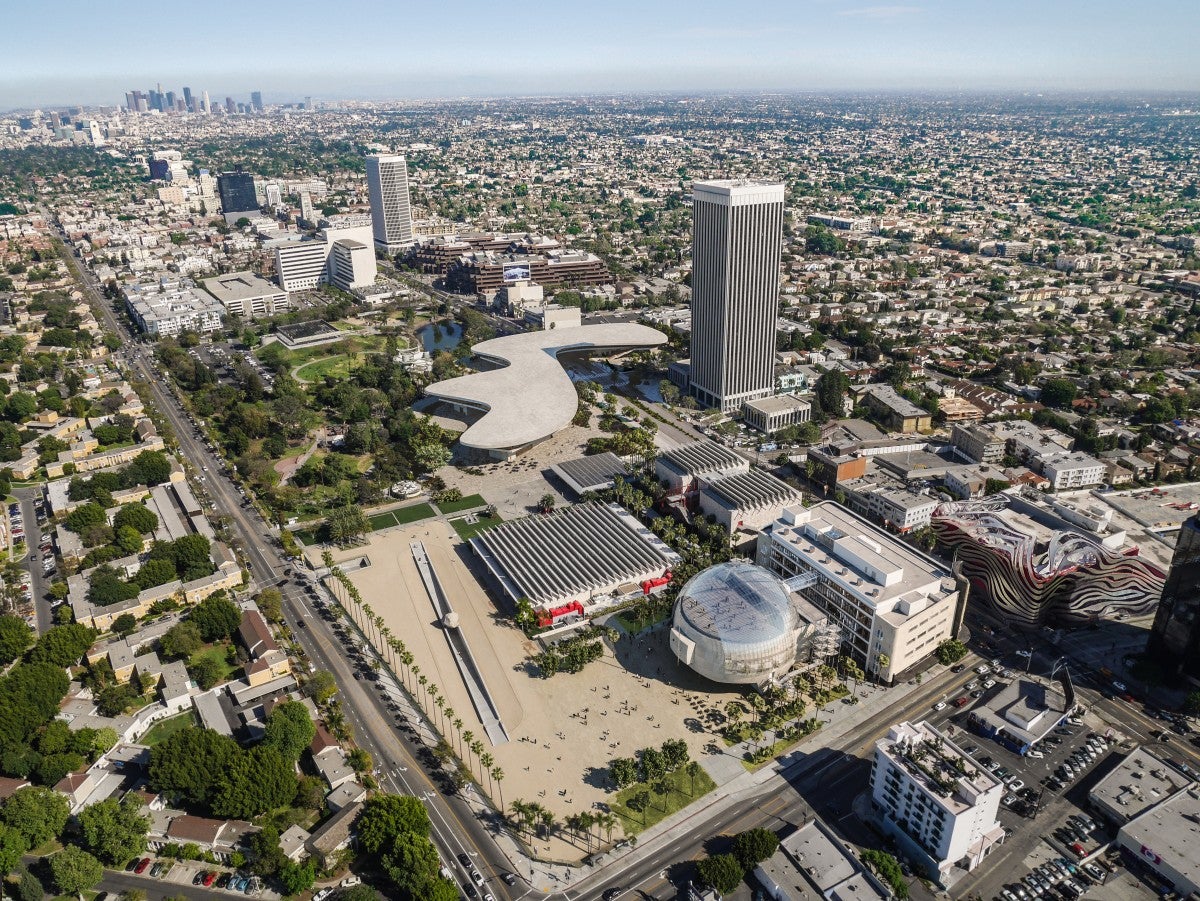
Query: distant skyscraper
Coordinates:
[391,214]
[187,100]
[237,192]
[308,103]
[1175,637]
[737,235]
[256,100]
[205,103]
[230,106]
[170,104]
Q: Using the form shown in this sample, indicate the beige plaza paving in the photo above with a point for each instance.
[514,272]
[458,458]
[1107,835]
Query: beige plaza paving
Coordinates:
[563,730]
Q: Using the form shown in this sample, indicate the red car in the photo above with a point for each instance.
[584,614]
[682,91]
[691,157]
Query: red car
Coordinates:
[210,878]
[1079,850]
[962,702]
[142,864]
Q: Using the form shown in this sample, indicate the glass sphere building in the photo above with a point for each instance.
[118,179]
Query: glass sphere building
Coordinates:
[735,623]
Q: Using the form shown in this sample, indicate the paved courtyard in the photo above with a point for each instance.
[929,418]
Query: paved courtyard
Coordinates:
[563,730]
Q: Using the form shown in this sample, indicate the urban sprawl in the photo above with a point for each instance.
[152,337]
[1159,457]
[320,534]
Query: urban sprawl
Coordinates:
[740,497]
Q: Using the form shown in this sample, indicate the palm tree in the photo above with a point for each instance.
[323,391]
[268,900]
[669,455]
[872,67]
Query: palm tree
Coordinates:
[693,770]
[498,775]
[548,821]
[608,821]
[468,738]
[385,639]
[458,724]
[519,811]
[476,747]
[422,680]
[486,762]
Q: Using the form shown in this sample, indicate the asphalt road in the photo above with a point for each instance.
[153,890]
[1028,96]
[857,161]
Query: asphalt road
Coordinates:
[455,828]
[39,588]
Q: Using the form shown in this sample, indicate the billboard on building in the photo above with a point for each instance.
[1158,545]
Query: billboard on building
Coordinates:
[515,272]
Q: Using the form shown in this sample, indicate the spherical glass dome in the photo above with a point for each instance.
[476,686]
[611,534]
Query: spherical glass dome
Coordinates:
[735,622]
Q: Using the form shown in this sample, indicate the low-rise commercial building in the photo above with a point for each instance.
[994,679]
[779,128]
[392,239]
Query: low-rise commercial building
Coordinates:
[247,296]
[770,414]
[1071,470]
[813,863]
[1162,841]
[937,802]
[1024,712]
[894,604]
[1133,786]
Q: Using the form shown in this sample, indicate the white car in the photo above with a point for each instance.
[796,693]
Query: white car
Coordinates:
[1024,653]
[1016,785]
[940,705]
[322,894]
[1036,755]
[983,669]
[1119,686]
[988,683]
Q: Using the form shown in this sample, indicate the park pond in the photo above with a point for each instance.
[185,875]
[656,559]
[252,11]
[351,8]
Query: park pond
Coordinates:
[445,334]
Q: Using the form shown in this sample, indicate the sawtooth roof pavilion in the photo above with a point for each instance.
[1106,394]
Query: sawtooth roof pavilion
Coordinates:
[580,553]
[531,396]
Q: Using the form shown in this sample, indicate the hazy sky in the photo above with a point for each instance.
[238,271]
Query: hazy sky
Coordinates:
[90,51]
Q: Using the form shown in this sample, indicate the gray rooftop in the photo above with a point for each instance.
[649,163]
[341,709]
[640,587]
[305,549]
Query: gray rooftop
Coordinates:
[1137,783]
[700,457]
[239,286]
[751,490]
[1027,709]
[778,403]
[531,396]
[591,473]
[1170,831]
[574,552]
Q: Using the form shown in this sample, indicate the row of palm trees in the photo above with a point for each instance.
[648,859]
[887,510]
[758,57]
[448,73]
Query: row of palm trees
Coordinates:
[417,683]
[538,821]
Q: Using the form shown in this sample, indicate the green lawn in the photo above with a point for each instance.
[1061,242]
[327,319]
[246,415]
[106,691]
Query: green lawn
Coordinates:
[660,807]
[306,537]
[337,366]
[470,502]
[468,530]
[217,653]
[164,729]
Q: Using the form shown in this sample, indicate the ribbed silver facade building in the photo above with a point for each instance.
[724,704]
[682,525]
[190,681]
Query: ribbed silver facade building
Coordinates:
[391,213]
[737,237]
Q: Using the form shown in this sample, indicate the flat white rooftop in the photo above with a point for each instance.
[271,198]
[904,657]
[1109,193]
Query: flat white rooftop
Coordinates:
[532,397]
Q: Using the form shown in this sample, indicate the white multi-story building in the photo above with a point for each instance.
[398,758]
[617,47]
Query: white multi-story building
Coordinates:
[387,185]
[894,604]
[938,803]
[337,256]
[1072,470]
[301,265]
[171,306]
[351,264]
[737,235]
[246,295]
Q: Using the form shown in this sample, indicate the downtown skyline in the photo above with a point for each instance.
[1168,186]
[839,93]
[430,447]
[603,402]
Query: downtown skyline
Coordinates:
[815,45]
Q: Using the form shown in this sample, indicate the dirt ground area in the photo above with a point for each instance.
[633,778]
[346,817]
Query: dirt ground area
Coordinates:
[563,730]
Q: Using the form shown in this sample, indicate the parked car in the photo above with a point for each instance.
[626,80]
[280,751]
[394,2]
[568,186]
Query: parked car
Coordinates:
[141,865]
[210,878]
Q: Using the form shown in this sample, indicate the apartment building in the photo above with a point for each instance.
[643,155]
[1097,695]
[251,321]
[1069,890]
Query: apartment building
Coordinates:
[937,802]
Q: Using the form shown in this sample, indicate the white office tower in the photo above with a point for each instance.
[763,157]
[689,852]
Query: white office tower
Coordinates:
[274,195]
[737,234]
[205,105]
[387,183]
[306,207]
